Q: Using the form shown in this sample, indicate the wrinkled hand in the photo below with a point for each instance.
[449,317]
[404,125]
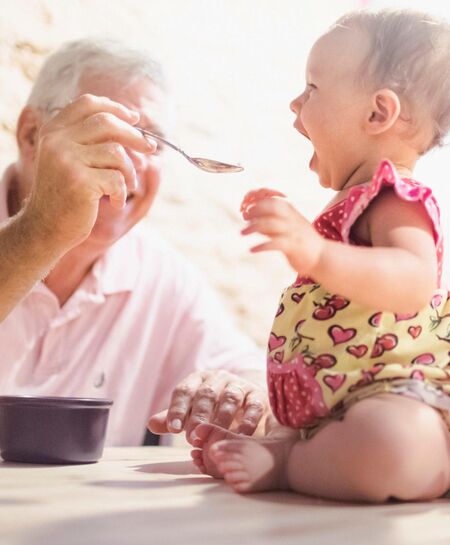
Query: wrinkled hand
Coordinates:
[218,397]
[287,230]
[81,156]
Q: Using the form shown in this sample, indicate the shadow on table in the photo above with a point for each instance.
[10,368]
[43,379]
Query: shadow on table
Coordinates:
[169,468]
[234,519]
[215,514]
[14,501]
[150,484]
[190,476]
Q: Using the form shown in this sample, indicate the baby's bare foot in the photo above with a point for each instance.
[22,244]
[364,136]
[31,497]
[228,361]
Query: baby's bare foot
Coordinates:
[248,465]
[205,436]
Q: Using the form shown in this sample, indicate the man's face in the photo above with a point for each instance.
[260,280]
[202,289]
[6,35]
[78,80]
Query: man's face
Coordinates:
[143,96]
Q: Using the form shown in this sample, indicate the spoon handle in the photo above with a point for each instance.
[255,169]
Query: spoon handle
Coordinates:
[145,132]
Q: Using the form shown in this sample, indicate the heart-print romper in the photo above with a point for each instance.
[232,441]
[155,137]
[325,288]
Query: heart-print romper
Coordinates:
[326,352]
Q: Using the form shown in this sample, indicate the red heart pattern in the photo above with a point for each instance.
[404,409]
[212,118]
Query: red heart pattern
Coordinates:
[418,375]
[424,359]
[276,341]
[278,356]
[325,361]
[405,316]
[334,382]
[340,335]
[414,331]
[375,319]
[357,350]
[436,300]
[297,297]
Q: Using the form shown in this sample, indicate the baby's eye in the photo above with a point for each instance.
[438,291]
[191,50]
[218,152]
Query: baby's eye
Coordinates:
[311,86]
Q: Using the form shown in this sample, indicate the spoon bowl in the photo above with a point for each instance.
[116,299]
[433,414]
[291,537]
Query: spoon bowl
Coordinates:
[208,165]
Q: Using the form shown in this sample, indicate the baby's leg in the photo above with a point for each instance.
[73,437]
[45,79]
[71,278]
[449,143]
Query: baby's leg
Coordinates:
[387,446]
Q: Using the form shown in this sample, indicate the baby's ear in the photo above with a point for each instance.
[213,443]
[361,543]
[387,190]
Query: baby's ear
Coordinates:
[384,112]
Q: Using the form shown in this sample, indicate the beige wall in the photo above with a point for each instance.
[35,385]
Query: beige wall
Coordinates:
[234,65]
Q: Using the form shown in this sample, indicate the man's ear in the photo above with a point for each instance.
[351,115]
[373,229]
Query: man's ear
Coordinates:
[28,125]
[385,110]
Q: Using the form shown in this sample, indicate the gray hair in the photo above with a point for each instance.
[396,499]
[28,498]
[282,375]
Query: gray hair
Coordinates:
[410,54]
[58,80]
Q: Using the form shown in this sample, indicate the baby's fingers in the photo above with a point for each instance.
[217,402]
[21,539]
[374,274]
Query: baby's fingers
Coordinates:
[265,226]
[274,244]
[257,195]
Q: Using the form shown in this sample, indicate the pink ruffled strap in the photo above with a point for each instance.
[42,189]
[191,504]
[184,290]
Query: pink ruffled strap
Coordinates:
[407,189]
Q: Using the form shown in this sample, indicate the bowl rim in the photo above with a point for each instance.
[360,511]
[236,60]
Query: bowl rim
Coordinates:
[55,401]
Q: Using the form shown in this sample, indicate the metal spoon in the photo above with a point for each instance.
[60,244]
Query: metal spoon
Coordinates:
[209,165]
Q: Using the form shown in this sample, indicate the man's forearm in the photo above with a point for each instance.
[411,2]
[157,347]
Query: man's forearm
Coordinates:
[25,258]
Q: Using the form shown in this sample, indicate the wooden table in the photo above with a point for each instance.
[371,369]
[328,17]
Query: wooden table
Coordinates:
[153,495]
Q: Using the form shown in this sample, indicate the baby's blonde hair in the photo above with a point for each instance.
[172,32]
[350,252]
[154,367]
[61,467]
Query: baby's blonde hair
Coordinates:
[410,54]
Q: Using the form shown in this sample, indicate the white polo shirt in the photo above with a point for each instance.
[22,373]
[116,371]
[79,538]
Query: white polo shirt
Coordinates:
[141,320]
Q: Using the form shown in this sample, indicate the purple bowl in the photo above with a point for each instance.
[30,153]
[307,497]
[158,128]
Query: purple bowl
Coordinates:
[52,430]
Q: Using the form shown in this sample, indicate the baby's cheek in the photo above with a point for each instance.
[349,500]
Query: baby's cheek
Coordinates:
[307,117]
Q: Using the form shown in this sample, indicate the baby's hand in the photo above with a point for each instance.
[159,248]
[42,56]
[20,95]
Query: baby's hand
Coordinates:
[257,195]
[287,230]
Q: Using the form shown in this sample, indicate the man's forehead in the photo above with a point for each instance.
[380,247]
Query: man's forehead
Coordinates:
[138,93]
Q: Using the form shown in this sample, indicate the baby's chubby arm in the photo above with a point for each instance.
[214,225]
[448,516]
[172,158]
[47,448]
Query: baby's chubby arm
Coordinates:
[398,273]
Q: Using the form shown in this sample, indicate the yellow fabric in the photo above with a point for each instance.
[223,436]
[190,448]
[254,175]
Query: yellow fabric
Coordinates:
[354,346]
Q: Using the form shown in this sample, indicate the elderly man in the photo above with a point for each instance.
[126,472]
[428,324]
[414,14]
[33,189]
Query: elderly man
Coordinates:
[121,314]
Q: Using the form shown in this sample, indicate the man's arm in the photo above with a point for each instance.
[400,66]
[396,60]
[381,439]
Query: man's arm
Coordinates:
[75,166]
[26,255]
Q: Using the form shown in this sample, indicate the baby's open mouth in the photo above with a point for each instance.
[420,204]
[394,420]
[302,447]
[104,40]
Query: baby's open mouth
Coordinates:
[304,133]
[301,129]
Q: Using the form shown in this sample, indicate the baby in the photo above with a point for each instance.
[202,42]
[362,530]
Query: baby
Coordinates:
[359,353]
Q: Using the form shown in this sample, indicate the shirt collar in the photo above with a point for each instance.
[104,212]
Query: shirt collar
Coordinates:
[118,269]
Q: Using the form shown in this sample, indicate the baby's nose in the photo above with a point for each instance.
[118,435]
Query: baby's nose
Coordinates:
[295,105]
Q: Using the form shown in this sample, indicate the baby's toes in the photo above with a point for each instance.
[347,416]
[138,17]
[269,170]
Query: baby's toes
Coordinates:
[201,434]
[238,479]
[226,456]
[196,455]
[197,459]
